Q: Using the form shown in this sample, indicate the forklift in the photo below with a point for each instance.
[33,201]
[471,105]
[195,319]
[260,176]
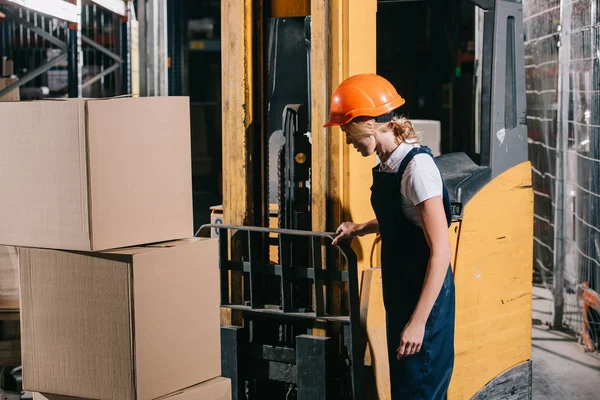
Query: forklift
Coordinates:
[302,319]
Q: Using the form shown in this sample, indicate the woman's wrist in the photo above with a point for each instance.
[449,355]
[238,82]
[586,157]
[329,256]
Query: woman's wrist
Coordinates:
[361,229]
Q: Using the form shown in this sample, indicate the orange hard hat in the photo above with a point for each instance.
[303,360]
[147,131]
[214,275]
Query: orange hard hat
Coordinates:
[363,95]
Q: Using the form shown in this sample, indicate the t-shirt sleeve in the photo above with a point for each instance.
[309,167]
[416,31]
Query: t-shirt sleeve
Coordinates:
[421,179]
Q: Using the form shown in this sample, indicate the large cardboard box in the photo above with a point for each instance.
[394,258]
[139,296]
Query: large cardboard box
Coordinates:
[215,389]
[136,323]
[430,132]
[9,279]
[92,175]
[44,396]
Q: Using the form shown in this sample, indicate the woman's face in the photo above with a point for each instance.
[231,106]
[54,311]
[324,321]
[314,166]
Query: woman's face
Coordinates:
[360,136]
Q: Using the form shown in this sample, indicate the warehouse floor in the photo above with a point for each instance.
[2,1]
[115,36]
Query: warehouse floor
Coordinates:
[561,368]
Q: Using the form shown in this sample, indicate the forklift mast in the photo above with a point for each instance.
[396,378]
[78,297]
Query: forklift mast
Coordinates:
[503,108]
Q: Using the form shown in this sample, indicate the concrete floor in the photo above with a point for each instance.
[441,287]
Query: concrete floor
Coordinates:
[561,368]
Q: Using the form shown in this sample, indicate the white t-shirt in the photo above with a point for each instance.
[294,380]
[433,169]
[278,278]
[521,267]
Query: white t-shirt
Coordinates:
[421,179]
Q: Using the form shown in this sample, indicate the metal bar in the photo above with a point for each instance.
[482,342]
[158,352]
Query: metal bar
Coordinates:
[55,8]
[100,48]
[274,353]
[125,62]
[296,272]
[101,75]
[280,315]
[486,88]
[354,343]
[36,29]
[254,270]
[151,46]
[273,371]
[483,4]
[163,55]
[75,56]
[562,144]
[317,263]
[291,232]
[313,358]
[286,284]
[223,258]
[34,74]
[115,6]
[232,340]
[4,40]
[142,47]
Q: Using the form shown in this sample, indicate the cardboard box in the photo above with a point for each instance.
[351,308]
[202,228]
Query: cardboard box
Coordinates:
[13,95]
[215,389]
[44,396]
[430,132]
[92,175]
[9,279]
[135,323]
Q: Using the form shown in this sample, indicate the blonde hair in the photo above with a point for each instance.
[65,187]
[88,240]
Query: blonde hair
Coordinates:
[403,129]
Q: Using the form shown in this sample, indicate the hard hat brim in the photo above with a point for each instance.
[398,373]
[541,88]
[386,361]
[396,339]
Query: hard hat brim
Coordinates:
[366,112]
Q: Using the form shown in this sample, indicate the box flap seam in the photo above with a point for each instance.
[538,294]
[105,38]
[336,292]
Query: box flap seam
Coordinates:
[88,171]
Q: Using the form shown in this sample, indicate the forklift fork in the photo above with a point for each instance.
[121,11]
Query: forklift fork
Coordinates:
[305,362]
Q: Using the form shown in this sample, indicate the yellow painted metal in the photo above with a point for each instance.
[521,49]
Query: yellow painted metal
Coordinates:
[343,43]
[290,8]
[453,233]
[360,54]
[236,89]
[237,107]
[494,282]
[373,317]
[320,90]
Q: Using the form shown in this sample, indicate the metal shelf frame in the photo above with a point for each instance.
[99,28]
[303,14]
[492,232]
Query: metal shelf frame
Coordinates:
[59,9]
[118,7]
[70,11]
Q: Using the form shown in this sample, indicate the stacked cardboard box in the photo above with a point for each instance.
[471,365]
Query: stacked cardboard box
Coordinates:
[214,389]
[118,300]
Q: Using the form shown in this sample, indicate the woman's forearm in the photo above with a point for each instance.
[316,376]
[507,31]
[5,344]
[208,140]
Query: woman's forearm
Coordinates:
[434,279]
[435,229]
[371,226]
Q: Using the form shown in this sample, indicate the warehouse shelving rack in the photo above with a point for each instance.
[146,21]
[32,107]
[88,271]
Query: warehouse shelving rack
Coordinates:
[33,25]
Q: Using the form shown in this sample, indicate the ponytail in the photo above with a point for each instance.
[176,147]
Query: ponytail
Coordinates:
[404,130]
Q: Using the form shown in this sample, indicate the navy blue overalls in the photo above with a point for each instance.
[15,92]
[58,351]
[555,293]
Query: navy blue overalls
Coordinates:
[404,260]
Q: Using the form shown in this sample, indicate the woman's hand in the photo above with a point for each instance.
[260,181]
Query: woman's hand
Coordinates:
[347,230]
[411,339]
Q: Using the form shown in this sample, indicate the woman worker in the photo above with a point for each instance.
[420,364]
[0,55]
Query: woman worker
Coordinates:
[412,212]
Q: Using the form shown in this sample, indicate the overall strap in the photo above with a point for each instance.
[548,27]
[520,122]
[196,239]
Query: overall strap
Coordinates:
[408,158]
[445,195]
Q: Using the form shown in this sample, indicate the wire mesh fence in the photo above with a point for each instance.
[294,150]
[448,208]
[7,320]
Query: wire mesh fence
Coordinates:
[562,50]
